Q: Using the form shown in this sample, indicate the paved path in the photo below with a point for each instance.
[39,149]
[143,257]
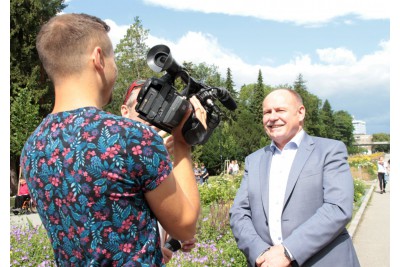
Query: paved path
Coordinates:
[372,234]
[23,219]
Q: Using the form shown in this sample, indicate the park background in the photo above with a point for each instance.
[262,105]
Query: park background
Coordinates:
[40,96]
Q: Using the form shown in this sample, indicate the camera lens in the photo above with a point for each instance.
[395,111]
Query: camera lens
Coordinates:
[160,59]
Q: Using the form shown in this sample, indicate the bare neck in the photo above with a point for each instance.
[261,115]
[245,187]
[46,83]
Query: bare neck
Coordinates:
[72,94]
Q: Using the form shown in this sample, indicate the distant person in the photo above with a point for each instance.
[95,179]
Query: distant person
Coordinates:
[296,195]
[387,177]
[102,182]
[204,173]
[230,167]
[197,173]
[235,167]
[381,174]
[128,111]
[21,197]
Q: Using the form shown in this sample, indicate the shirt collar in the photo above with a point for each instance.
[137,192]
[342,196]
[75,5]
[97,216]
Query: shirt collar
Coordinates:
[294,143]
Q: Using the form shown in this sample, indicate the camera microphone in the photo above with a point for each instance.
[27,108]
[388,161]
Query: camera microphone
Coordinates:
[225,98]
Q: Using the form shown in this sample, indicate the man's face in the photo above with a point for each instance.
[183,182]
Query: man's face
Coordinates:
[283,116]
[128,111]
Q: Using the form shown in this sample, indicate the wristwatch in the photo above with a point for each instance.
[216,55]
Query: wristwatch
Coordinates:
[287,255]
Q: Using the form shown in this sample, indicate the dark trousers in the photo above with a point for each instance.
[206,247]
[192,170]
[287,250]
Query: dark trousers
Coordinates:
[382,182]
[19,200]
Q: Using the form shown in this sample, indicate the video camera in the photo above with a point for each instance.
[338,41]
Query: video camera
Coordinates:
[160,104]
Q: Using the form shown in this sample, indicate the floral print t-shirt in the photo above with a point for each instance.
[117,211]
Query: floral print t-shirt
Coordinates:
[88,171]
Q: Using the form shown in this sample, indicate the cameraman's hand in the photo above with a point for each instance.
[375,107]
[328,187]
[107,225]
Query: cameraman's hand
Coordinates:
[200,114]
[188,245]
[199,111]
[168,140]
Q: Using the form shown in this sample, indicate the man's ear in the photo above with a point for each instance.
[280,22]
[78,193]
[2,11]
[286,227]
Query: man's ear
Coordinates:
[98,58]
[125,111]
[302,113]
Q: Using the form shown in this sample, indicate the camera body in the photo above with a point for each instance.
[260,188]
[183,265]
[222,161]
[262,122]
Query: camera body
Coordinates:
[173,244]
[163,106]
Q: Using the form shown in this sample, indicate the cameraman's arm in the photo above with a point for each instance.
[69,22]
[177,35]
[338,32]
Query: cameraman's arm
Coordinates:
[176,201]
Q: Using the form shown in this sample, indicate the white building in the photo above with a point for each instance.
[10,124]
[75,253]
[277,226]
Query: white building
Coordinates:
[359,127]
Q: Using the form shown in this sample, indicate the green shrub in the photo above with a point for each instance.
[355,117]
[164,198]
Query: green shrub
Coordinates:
[216,245]
[359,191]
[219,188]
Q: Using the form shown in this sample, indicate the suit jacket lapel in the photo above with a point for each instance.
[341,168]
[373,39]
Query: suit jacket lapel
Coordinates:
[303,152]
[265,165]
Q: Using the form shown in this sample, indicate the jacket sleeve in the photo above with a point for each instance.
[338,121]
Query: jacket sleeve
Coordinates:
[330,219]
[241,221]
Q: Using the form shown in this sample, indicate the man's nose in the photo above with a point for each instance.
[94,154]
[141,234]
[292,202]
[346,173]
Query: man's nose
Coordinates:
[273,116]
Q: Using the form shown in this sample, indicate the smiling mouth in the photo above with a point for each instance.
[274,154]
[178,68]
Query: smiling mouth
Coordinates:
[274,126]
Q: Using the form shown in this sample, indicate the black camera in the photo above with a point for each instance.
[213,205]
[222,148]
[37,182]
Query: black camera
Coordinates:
[173,244]
[160,104]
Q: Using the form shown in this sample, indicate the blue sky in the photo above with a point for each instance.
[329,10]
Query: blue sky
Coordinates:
[342,50]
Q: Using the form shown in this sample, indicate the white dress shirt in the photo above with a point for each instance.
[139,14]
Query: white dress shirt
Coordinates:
[280,167]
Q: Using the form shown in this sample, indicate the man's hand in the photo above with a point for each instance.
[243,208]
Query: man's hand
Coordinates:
[168,139]
[188,245]
[274,257]
[167,254]
[200,114]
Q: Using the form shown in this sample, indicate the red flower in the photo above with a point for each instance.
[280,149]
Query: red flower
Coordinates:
[58,202]
[66,151]
[55,181]
[109,122]
[137,150]
[115,196]
[126,247]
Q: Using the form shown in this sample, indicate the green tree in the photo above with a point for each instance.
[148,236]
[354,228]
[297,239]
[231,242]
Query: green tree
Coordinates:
[381,137]
[229,85]
[249,134]
[257,99]
[327,120]
[344,127]
[30,89]
[312,123]
[130,57]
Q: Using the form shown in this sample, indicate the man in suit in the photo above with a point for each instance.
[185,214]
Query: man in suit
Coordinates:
[296,196]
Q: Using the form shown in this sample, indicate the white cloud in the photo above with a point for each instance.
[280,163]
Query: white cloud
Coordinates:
[301,12]
[337,72]
[336,56]
[117,32]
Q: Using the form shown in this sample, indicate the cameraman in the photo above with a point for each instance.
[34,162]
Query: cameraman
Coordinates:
[102,181]
[128,111]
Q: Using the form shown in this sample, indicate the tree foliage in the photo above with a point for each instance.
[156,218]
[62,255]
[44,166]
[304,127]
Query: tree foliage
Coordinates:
[26,73]
[257,98]
[31,94]
[130,57]
[328,129]
[344,127]
[312,122]
[381,137]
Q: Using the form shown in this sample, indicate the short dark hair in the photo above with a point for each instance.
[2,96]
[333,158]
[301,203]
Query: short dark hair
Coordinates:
[64,39]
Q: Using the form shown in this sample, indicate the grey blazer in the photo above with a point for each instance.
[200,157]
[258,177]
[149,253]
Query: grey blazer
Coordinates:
[318,204]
